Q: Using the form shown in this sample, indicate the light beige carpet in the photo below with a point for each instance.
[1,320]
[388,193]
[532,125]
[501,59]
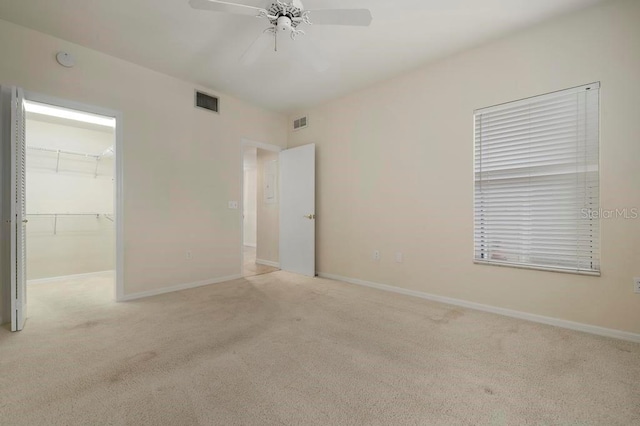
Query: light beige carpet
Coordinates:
[282,349]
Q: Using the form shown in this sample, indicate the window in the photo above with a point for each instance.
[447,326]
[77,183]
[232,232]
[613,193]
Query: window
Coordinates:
[537,182]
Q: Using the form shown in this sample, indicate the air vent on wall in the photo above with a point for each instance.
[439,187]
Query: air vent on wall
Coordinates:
[300,123]
[208,102]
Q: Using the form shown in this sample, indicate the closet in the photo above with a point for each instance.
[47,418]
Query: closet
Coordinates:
[69,197]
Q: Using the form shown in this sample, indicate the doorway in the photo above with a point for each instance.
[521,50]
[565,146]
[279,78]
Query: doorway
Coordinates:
[66,208]
[70,206]
[260,211]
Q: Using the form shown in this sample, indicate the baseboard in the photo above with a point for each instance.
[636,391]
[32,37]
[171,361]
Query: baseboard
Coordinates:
[178,287]
[586,328]
[66,277]
[268,263]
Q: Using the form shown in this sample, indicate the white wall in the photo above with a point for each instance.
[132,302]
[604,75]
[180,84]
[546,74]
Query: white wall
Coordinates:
[76,244]
[250,194]
[180,163]
[395,169]
[268,208]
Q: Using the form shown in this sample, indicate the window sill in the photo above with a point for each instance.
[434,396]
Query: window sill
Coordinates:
[539,268]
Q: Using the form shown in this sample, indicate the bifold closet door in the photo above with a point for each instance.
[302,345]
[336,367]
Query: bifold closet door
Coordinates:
[18,212]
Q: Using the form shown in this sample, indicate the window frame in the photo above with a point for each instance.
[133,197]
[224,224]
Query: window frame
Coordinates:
[597,234]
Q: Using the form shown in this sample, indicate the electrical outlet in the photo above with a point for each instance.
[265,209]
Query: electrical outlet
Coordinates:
[399,257]
[636,285]
[233,205]
[376,255]
[188,255]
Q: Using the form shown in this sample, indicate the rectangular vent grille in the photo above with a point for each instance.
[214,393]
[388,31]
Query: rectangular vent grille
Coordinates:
[208,102]
[300,123]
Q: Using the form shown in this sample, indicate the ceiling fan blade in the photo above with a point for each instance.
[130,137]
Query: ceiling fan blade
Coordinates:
[223,6]
[355,17]
[257,48]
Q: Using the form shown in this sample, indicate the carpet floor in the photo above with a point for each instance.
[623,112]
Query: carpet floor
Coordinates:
[284,349]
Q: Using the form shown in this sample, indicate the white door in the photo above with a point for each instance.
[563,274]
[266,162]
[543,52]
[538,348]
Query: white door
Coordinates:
[297,210]
[18,212]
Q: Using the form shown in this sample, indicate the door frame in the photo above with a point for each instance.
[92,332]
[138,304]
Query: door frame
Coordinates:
[119,173]
[247,143]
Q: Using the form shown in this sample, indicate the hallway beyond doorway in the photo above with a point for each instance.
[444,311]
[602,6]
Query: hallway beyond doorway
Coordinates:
[250,268]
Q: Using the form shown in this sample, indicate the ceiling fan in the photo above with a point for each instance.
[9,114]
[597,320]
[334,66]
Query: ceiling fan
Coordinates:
[286,17]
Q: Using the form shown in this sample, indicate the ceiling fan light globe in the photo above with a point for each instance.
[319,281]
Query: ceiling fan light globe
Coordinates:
[284,23]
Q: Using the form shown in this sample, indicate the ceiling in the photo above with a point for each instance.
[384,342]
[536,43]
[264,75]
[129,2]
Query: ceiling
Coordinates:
[205,47]
[32,116]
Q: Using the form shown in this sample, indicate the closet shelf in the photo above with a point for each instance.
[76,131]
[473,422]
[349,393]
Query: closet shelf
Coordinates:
[55,217]
[95,157]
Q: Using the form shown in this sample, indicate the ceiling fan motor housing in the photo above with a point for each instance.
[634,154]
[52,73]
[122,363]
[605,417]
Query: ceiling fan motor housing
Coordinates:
[291,10]
[284,23]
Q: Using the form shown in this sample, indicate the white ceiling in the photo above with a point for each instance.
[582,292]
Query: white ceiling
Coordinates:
[205,47]
[32,116]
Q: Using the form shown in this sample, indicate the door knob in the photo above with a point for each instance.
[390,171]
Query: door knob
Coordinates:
[310,216]
[25,221]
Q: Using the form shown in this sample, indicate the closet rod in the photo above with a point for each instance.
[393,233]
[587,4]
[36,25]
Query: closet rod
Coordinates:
[80,154]
[55,217]
[64,214]
[62,151]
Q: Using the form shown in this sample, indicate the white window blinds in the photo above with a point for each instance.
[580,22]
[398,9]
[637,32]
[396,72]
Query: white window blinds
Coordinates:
[537,182]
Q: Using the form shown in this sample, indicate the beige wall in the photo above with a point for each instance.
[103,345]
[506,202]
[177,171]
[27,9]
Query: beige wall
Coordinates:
[268,211]
[181,165]
[79,244]
[395,169]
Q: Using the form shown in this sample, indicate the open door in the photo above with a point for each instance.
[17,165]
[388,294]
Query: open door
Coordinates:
[297,210]
[18,212]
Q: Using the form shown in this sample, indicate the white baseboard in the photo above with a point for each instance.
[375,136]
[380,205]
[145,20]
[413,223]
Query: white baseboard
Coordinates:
[178,287]
[586,328]
[66,277]
[268,263]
